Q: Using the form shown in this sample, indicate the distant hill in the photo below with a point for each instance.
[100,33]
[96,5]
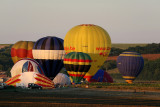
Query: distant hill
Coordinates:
[126,45]
[115,45]
[145,56]
[4,45]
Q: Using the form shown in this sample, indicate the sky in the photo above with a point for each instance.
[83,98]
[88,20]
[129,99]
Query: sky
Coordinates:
[126,21]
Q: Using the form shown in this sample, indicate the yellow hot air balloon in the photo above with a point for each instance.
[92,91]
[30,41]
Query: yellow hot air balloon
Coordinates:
[90,39]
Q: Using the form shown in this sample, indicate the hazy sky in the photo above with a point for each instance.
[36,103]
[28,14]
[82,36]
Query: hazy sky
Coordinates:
[126,21]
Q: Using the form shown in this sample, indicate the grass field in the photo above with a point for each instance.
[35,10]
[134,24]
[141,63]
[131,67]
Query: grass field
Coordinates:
[125,45]
[78,97]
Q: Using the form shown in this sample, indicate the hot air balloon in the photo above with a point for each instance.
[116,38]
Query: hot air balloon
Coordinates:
[90,39]
[77,65]
[49,52]
[101,76]
[21,49]
[26,65]
[62,79]
[130,64]
[30,77]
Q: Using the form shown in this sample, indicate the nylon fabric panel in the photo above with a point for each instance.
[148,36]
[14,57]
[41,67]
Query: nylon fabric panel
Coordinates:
[40,44]
[36,45]
[60,42]
[49,44]
[44,46]
[77,68]
[48,54]
[56,67]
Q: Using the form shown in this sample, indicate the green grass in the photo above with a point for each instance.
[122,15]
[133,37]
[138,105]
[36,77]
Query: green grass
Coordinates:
[126,45]
[125,86]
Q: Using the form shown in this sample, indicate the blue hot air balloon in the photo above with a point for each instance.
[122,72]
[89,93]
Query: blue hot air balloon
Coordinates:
[49,52]
[130,64]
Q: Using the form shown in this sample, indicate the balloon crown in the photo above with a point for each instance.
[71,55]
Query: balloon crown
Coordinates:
[87,25]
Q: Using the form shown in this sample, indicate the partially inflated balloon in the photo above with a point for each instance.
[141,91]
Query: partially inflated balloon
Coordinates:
[49,52]
[30,77]
[21,49]
[62,79]
[90,39]
[26,65]
[101,76]
[77,65]
[130,64]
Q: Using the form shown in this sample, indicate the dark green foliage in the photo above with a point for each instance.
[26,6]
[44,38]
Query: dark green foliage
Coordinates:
[111,64]
[148,49]
[151,70]
[115,51]
[5,59]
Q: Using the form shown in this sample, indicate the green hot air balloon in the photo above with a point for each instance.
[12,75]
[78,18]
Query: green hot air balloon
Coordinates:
[77,65]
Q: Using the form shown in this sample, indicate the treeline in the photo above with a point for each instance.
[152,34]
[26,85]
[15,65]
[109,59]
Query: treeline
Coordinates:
[151,70]
[148,49]
[6,62]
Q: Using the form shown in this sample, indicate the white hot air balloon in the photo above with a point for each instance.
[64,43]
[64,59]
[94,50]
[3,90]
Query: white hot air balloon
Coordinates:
[26,65]
[62,79]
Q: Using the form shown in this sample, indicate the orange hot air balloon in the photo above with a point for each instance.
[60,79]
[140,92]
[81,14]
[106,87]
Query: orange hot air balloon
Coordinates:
[21,49]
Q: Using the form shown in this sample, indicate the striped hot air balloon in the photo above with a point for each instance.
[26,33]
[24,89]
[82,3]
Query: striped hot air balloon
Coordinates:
[49,52]
[31,77]
[77,65]
[90,39]
[130,64]
[21,49]
[26,65]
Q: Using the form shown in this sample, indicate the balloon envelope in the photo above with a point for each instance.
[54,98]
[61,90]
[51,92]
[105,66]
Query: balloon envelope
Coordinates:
[90,39]
[26,65]
[31,77]
[62,79]
[101,76]
[21,49]
[130,64]
[49,52]
[77,65]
